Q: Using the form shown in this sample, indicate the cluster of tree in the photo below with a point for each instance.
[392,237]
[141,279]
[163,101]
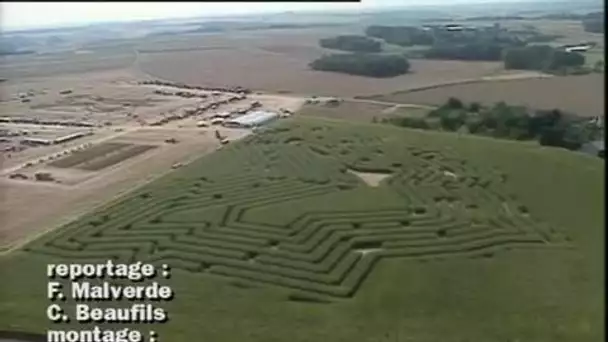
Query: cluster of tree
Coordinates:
[466,44]
[401,35]
[548,127]
[351,43]
[363,64]
[542,57]
[487,44]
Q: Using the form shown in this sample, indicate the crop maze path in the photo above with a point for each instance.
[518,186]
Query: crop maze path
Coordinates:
[196,219]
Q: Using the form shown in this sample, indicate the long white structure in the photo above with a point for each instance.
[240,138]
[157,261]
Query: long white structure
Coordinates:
[252,119]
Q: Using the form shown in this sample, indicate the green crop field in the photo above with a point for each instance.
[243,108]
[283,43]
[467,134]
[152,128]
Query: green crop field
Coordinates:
[274,238]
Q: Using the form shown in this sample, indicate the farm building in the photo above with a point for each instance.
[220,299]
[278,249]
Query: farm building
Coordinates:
[69,137]
[594,148]
[37,141]
[252,119]
[58,140]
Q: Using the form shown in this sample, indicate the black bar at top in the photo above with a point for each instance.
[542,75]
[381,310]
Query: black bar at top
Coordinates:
[271,1]
[260,1]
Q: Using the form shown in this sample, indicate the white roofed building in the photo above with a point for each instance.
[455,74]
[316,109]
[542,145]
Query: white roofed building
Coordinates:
[253,119]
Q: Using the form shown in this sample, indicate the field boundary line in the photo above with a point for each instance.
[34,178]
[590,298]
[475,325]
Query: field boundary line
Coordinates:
[483,79]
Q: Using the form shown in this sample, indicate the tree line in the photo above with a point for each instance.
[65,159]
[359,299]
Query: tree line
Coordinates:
[549,127]
[516,49]
[363,64]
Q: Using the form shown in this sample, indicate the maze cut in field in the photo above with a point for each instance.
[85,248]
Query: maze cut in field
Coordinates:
[284,208]
[101,156]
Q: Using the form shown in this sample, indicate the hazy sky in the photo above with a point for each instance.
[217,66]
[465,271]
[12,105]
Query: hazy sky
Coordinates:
[38,14]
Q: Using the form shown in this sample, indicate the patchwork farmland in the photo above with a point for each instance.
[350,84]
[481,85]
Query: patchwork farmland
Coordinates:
[266,235]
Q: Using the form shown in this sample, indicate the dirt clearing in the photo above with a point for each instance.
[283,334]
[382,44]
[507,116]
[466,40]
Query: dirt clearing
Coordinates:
[371,178]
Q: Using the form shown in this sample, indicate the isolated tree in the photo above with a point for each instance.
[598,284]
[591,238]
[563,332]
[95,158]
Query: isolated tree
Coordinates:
[454,103]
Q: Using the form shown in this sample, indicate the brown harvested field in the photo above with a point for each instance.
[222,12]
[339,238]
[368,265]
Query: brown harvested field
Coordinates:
[273,72]
[278,62]
[582,95]
[70,62]
[570,32]
[305,37]
[359,111]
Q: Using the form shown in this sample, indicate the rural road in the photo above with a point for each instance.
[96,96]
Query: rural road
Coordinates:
[492,78]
